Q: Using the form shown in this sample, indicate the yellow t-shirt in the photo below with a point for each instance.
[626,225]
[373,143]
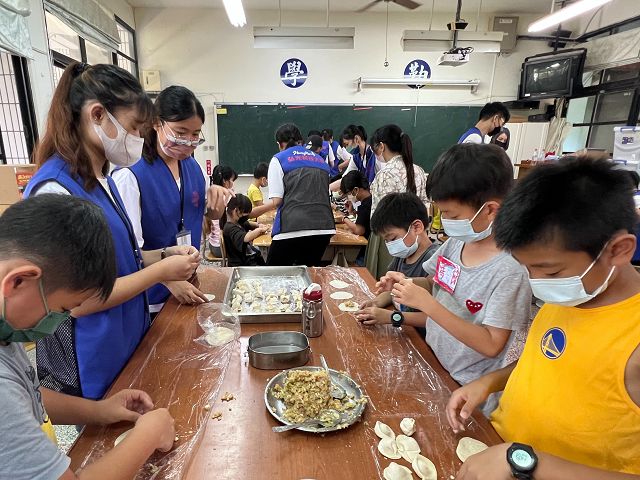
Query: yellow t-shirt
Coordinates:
[567,395]
[254,194]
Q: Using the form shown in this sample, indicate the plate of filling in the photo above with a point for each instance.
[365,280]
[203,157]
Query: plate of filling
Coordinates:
[304,394]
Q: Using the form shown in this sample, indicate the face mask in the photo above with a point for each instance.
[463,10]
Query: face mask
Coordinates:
[125,149]
[463,229]
[172,149]
[46,326]
[380,159]
[568,292]
[502,145]
[495,131]
[397,248]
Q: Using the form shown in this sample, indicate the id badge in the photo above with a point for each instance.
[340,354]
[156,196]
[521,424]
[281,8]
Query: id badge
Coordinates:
[447,274]
[183,237]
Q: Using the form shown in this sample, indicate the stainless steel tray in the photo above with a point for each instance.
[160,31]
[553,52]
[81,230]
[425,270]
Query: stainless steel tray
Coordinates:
[273,278]
[278,350]
[276,406]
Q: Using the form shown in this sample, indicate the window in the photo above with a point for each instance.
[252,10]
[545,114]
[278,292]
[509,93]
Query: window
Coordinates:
[126,56]
[610,98]
[17,122]
[67,46]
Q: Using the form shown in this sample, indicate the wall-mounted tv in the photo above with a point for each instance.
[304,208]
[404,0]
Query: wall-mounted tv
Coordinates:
[552,75]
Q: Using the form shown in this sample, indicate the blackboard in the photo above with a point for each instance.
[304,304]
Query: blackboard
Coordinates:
[246,132]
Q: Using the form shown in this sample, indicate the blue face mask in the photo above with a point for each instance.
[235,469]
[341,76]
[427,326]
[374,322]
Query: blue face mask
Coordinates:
[46,326]
[397,248]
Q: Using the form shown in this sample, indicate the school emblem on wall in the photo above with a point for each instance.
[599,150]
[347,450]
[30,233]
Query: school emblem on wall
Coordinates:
[294,73]
[417,70]
[554,342]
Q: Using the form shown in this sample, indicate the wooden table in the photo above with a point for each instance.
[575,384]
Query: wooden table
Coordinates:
[342,250]
[394,366]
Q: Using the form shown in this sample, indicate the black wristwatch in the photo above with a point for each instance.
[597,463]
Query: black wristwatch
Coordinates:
[522,460]
[163,253]
[397,319]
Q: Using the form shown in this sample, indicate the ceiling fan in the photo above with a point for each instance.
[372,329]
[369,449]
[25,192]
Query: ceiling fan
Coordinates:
[410,4]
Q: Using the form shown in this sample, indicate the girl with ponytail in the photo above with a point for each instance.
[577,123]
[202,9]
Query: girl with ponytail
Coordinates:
[223,176]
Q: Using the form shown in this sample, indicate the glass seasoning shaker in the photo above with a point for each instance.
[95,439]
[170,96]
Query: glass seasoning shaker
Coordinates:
[312,311]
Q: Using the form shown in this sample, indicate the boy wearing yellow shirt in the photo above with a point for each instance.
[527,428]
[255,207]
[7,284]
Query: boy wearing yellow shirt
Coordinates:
[572,401]
[259,181]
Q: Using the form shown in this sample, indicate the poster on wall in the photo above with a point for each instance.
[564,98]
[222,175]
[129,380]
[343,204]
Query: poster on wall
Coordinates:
[417,70]
[294,73]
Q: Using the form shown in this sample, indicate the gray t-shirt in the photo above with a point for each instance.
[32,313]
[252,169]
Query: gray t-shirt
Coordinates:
[27,452]
[496,294]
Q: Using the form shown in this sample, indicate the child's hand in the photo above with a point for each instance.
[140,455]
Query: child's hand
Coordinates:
[408,293]
[368,303]
[126,405]
[490,463]
[159,425]
[386,282]
[463,402]
[178,267]
[186,293]
[373,316]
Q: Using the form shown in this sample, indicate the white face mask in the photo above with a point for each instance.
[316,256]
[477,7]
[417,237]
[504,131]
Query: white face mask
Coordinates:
[397,248]
[570,291]
[463,229]
[125,149]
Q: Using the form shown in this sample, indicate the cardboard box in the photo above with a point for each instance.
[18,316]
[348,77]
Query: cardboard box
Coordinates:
[13,181]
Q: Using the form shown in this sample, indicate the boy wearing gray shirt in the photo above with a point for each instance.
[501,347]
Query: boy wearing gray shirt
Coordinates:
[476,296]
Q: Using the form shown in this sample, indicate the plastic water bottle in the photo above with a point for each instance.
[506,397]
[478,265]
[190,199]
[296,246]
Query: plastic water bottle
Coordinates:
[535,155]
[312,322]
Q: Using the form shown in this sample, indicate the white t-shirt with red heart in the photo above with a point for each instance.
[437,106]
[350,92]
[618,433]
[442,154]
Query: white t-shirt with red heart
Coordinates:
[496,294]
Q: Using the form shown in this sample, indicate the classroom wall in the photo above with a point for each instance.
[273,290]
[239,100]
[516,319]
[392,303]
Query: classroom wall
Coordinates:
[198,48]
[612,12]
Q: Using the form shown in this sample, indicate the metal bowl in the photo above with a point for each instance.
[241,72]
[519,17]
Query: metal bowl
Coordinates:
[276,407]
[278,350]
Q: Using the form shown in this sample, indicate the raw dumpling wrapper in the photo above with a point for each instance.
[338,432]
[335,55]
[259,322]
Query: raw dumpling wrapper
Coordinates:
[468,446]
[408,426]
[424,468]
[349,306]
[338,284]
[407,447]
[387,447]
[210,297]
[383,430]
[121,437]
[219,336]
[397,472]
[341,295]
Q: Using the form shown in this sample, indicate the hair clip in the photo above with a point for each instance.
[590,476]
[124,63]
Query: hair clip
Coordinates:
[80,68]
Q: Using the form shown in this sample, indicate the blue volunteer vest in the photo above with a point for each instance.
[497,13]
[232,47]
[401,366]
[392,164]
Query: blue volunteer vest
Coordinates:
[104,341]
[468,133]
[314,191]
[160,202]
[335,170]
[368,166]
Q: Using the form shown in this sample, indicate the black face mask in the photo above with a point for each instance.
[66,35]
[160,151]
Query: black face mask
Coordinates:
[503,145]
[495,131]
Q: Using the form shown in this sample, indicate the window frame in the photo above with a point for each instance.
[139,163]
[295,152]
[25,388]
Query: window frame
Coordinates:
[134,60]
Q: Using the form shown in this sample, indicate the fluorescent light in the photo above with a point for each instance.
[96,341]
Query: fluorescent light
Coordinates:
[303,37]
[235,12]
[565,14]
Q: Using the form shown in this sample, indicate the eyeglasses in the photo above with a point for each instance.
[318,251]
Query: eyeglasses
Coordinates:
[181,139]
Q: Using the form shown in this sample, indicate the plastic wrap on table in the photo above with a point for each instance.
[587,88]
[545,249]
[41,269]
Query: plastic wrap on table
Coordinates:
[219,324]
[398,369]
[196,374]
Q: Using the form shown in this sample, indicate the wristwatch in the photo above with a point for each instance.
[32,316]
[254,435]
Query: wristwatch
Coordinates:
[397,319]
[163,253]
[522,460]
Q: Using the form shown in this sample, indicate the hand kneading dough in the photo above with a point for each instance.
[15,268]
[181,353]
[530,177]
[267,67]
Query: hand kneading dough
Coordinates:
[338,284]
[341,295]
[397,472]
[469,446]
[389,449]
[408,426]
[407,447]
[383,430]
[424,468]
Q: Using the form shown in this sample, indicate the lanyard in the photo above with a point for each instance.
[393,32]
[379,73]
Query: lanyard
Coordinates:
[181,189]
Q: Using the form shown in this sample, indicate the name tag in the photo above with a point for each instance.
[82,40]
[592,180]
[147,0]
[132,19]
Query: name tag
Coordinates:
[447,274]
[183,237]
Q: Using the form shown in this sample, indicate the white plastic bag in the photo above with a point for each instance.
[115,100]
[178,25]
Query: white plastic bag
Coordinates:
[220,324]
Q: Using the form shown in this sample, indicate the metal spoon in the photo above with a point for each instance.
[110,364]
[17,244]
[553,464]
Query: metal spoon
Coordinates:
[285,428]
[337,391]
[335,418]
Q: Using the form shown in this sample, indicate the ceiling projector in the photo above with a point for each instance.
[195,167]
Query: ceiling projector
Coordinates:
[455,57]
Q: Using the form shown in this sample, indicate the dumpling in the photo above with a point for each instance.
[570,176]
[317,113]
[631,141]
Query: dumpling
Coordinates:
[248,297]
[285,298]
[383,430]
[397,472]
[407,447]
[387,447]
[424,468]
[408,426]
[468,446]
